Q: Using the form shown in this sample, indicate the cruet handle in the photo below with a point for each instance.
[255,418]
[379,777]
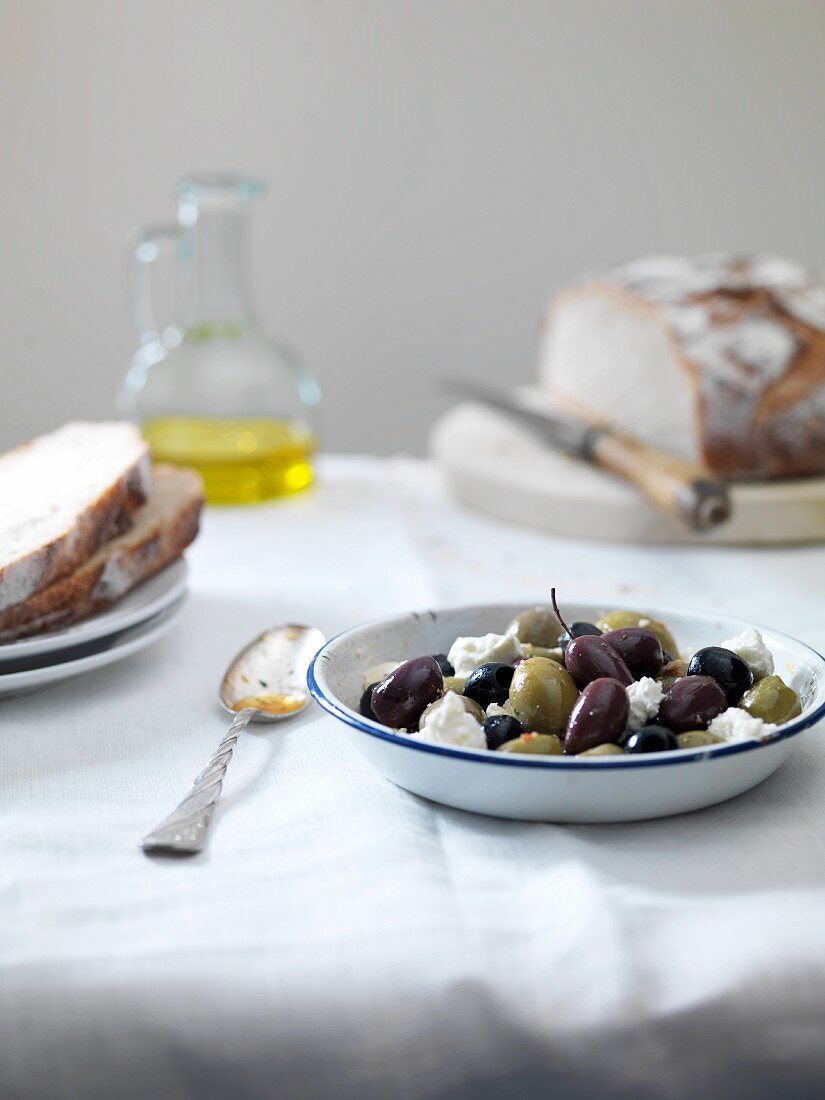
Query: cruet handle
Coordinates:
[148,243]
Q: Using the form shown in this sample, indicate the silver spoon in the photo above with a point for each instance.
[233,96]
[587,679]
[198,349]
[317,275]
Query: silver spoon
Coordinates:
[265,683]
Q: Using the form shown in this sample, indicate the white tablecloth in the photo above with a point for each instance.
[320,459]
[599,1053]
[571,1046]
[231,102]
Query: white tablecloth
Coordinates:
[343,939]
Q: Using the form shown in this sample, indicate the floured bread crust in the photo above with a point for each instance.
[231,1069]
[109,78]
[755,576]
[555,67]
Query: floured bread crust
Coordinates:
[748,335]
[160,531]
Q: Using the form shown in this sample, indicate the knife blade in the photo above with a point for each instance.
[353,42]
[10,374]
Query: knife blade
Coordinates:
[566,434]
[680,489]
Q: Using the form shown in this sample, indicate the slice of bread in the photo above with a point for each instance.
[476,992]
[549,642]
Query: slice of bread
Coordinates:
[159,533]
[63,496]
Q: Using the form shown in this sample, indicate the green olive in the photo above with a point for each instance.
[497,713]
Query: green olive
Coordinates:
[607,749]
[536,744]
[771,700]
[555,653]
[620,620]
[469,705]
[454,683]
[537,626]
[496,711]
[542,695]
[694,739]
[673,671]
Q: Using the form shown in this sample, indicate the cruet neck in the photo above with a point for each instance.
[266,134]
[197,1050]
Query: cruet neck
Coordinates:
[213,211]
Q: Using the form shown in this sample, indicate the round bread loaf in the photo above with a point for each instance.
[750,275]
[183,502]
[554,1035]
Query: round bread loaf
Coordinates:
[717,358]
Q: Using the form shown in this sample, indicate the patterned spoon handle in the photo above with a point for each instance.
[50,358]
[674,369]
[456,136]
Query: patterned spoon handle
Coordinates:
[185,829]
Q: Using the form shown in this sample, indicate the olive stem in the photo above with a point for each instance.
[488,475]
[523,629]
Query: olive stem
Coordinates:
[557,612]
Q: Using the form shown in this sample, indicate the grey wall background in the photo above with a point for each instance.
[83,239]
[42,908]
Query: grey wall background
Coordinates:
[435,169]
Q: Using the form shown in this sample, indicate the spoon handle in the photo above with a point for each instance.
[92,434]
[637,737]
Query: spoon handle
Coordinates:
[185,829]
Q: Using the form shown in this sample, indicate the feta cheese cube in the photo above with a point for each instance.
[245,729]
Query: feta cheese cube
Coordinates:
[466,654]
[645,697]
[750,646]
[449,723]
[735,724]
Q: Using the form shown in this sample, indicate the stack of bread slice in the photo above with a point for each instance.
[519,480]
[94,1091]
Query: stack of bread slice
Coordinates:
[84,517]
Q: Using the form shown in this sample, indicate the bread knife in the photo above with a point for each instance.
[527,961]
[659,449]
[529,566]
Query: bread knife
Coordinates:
[680,489]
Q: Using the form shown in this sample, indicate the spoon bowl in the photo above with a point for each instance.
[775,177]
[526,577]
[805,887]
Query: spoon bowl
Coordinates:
[269,675]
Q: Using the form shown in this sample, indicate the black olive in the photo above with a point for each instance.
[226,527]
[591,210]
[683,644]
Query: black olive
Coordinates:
[445,666]
[728,670]
[500,728]
[489,683]
[651,739]
[365,705]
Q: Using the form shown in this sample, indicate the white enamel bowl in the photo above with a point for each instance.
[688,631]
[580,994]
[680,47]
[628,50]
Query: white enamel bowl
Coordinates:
[552,788]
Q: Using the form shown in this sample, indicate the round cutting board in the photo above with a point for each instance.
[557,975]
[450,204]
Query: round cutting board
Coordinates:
[494,465]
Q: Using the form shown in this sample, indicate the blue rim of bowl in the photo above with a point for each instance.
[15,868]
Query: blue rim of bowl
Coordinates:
[482,756]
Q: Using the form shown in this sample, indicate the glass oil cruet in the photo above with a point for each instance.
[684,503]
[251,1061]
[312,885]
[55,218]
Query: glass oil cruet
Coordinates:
[211,390]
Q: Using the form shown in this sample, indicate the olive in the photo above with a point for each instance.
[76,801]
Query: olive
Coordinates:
[555,653]
[472,708]
[695,739]
[542,695]
[588,658]
[500,728]
[724,666]
[495,711]
[771,700]
[640,649]
[607,749]
[536,744]
[672,672]
[620,620]
[599,716]
[692,704]
[651,739]
[536,626]
[489,683]
[577,630]
[454,683]
[401,697]
[365,705]
[443,663]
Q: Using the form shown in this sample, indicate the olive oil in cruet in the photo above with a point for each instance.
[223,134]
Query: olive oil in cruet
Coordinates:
[213,391]
[241,461]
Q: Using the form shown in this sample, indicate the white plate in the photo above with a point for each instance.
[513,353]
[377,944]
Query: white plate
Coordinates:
[493,465]
[97,654]
[144,601]
[555,788]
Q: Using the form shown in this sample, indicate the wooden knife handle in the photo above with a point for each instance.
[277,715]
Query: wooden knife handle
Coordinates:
[672,484]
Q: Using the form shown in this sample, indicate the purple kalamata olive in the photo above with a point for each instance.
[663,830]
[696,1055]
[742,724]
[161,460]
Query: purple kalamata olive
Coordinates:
[640,649]
[400,698]
[577,630]
[692,704]
[599,716]
[590,658]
